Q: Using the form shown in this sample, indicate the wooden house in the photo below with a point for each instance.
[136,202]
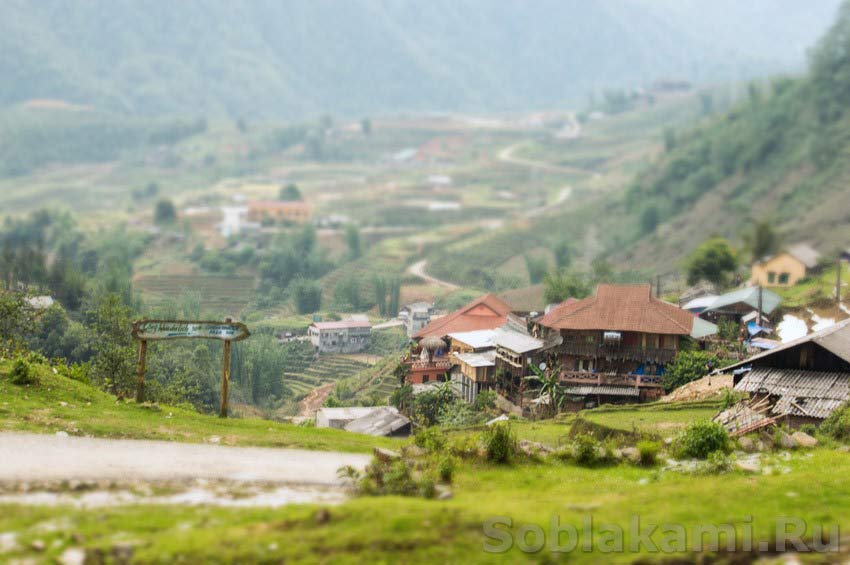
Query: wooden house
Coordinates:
[617,343]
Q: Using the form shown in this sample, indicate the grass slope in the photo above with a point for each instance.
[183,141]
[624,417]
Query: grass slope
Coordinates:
[61,404]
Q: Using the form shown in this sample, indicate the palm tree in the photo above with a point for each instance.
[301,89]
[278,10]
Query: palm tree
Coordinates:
[550,385]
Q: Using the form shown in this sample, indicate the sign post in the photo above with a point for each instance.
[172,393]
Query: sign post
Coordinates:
[161,330]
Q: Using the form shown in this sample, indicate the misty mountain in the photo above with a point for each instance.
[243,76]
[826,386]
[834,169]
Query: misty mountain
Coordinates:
[294,59]
[778,156]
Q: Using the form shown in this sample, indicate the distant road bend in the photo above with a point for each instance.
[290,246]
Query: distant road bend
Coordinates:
[418,269]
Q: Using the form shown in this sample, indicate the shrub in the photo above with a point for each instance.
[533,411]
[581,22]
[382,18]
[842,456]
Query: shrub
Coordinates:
[810,429]
[688,366]
[586,450]
[648,453]
[703,438]
[499,443]
[485,400]
[837,425]
[22,373]
[388,477]
[465,446]
[446,468]
[431,440]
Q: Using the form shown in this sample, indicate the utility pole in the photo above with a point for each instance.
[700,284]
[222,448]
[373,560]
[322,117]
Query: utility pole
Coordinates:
[657,286]
[838,281]
[760,305]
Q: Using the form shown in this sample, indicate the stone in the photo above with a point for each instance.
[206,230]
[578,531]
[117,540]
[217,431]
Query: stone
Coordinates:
[63,404]
[122,552]
[38,545]
[444,492]
[747,445]
[844,449]
[214,439]
[531,448]
[73,556]
[61,434]
[630,454]
[386,455]
[414,451]
[804,440]
[786,441]
[748,465]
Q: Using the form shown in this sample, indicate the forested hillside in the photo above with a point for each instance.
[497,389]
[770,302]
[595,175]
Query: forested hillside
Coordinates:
[296,59]
[780,156]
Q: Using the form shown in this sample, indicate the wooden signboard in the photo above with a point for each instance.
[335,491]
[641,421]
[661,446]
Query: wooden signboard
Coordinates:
[160,330]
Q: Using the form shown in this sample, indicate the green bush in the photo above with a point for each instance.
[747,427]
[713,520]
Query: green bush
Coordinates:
[703,438]
[648,453]
[446,468]
[431,439]
[688,366]
[22,373]
[837,425]
[465,446]
[499,443]
[586,450]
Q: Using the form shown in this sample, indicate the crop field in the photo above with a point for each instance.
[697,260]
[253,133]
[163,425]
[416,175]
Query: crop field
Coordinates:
[327,369]
[226,295]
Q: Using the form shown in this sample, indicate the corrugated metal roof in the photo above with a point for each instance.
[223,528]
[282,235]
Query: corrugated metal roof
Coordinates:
[749,296]
[604,390]
[383,421]
[486,359]
[516,341]
[477,339]
[342,325]
[805,254]
[803,393]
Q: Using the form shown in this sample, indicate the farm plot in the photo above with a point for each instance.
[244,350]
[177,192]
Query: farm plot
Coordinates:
[226,295]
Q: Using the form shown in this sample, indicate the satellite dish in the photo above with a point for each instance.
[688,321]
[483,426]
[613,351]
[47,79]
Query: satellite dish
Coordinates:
[542,366]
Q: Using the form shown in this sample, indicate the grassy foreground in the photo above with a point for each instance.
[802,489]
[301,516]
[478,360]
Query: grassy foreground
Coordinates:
[61,404]
[392,529]
[809,485]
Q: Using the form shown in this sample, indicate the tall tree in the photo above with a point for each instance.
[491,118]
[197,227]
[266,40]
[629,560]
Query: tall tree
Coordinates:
[713,261]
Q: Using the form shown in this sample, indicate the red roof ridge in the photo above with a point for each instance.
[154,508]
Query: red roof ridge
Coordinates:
[625,307]
[491,301]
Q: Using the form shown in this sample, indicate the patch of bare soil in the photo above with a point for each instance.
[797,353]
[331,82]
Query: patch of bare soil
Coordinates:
[702,389]
[311,404]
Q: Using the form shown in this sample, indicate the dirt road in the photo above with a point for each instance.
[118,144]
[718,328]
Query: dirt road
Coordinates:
[308,407]
[33,457]
[418,269]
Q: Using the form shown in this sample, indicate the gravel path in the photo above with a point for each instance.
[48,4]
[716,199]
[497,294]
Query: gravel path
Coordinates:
[33,457]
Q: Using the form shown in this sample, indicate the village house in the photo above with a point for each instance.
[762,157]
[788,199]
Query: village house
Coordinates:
[786,268]
[485,313]
[475,373]
[737,305]
[617,343]
[416,316]
[369,420]
[279,212]
[796,383]
[345,336]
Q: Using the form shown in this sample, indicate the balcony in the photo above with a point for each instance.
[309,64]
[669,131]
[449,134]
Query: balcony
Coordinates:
[598,351]
[440,363]
[611,379]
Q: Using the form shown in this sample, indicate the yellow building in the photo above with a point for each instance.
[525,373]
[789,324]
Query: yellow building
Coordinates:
[785,268]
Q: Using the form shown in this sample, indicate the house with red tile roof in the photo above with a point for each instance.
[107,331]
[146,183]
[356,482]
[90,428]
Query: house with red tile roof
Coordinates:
[616,343]
[471,320]
[486,313]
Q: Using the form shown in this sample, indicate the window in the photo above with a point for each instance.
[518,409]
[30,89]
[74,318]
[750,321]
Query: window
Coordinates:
[783,278]
[425,378]
[771,277]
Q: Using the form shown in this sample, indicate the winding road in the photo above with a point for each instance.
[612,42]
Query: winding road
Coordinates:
[418,269]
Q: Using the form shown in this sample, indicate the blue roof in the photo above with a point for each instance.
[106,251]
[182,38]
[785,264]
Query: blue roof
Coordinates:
[749,296]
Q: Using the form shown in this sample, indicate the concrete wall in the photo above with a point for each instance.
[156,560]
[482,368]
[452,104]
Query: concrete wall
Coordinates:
[770,273]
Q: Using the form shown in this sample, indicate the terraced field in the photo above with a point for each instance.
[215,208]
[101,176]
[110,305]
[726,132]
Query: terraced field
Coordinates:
[329,368]
[226,295]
